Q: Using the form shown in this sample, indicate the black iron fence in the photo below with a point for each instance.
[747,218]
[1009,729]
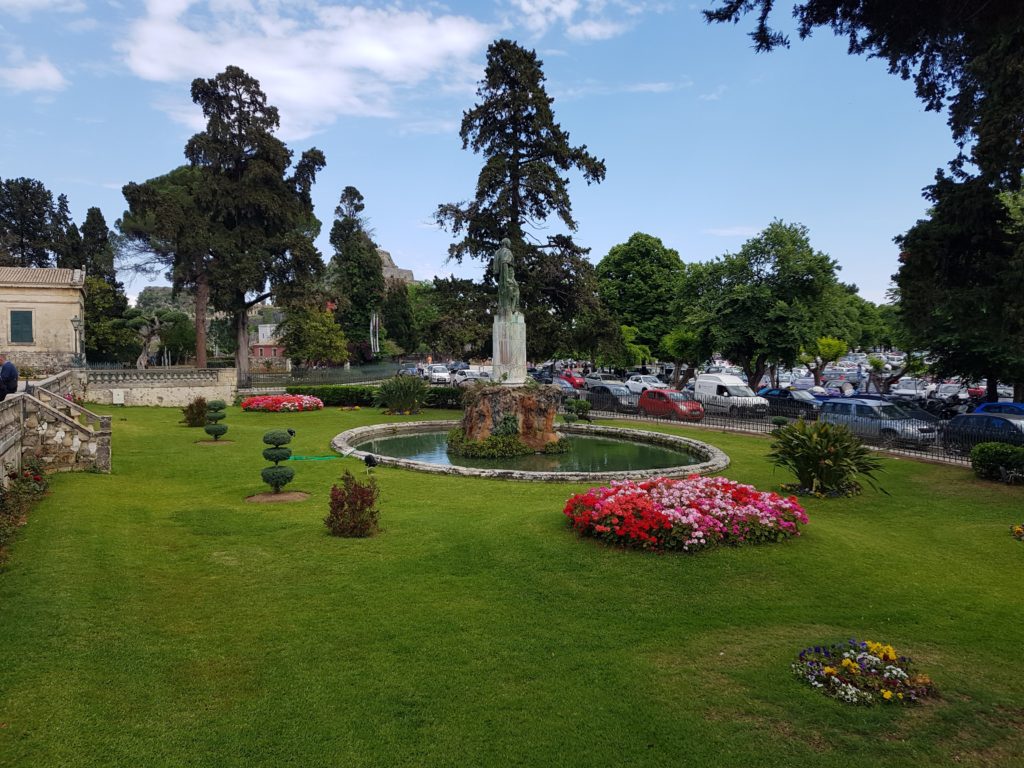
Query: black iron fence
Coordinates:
[917,433]
[315,376]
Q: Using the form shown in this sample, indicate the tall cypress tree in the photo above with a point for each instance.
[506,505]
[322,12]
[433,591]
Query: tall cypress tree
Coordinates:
[522,185]
[355,274]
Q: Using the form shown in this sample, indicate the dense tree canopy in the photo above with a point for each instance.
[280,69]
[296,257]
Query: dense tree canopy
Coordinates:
[523,184]
[260,218]
[961,283]
[355,278]
[397,315]
[27,215]
[638,280]
[766,303]
[964,56]
[311,336]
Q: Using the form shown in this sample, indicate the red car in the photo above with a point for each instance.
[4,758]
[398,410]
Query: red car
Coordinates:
[670,404]
[573,378]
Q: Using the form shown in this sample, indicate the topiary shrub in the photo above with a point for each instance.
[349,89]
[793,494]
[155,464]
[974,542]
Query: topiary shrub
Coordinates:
[214,413]
[402,394]
[987,458]
[353,511]
[825,458]
[578,407]
[277,477]
[195,413]
[780,421]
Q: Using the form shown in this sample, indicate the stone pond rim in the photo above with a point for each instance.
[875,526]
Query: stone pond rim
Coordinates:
[713,460]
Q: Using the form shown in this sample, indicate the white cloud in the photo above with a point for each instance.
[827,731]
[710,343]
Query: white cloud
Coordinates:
[23,75]
[738,231]
[714,95]
[315,63]
[23,9]
[595,29]
[539,15]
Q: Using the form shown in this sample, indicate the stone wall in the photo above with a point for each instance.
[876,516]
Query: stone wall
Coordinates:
[11,429]
[167,387]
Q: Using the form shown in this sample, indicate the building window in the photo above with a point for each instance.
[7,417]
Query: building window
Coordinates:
[261,351]
[21,326]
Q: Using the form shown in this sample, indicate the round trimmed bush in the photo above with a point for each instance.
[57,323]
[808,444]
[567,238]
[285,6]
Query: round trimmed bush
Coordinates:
[277,455]
[278,437]
[277,477]
[215,430]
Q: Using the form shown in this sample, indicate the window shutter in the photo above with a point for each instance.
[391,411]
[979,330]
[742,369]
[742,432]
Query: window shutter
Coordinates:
[21,326]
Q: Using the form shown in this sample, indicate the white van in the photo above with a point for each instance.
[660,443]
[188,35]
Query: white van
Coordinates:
[724,393]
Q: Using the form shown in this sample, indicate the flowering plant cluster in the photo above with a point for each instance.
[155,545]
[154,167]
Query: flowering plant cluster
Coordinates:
[684,515]
[862,672]
[282,403]
[73,397]
[1017,531]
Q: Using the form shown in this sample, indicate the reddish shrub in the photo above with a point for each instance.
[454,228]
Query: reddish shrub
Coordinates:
[353,512]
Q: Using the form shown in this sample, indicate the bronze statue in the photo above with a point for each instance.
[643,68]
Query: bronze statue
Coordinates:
[508,288]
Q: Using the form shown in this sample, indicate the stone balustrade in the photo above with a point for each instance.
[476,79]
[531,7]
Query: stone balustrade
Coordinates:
[168,387]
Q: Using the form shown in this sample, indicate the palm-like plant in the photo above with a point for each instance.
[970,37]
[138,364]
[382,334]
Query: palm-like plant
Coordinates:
[825,458]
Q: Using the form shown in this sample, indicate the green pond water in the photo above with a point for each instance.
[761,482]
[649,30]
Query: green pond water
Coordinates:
[586,454]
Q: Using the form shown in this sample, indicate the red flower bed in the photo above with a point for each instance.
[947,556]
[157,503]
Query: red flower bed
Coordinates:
[686,515]
[282,403]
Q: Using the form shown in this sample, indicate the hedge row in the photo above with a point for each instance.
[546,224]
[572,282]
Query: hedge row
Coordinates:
[355,394]
[987,458]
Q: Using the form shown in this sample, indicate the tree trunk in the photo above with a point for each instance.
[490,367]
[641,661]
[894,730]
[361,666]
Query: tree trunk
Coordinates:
[242,345]
[1018,392]
[991,389]
[202,300]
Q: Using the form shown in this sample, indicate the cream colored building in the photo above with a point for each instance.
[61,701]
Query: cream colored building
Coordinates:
[42,315]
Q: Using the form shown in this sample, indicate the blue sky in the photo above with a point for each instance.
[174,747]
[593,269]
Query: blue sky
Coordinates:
[705,141]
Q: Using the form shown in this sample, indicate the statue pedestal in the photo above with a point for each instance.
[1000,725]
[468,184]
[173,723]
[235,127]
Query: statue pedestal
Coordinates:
[509,358]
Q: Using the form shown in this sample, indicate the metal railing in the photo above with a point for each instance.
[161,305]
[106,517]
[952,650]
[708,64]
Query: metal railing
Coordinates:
[921,434]
[316,376]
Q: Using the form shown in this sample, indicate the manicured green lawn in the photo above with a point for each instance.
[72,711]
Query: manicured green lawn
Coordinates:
[153,617]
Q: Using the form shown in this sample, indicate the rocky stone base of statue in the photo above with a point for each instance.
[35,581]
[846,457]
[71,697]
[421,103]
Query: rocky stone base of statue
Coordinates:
[525,413]
[509,355]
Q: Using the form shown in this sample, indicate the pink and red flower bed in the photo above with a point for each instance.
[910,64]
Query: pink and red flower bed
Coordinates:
[686,515]
[282,403]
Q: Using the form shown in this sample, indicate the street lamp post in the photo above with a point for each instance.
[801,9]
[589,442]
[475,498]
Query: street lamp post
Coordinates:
[76,323]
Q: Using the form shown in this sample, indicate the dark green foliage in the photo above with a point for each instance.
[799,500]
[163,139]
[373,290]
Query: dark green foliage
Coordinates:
[106,337]
[987,458]
[561,445]
[825,458]
[195,413]
[26,231]
[338,394]
[578,407]
[397,318]
[494,447]
[278,437]
[311,336]
[638,279]
[277,455]
[277,477]
[780,421]
[353,512]
[523,183]
[355,277]
[444,397]
[507,426]
[23,488]
[215,430]
[402,394]
[215,413]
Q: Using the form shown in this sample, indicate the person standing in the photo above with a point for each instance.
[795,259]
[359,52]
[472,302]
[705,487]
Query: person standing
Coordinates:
[8,377]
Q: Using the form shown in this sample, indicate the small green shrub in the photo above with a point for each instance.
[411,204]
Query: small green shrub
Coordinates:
[825,458]
[277,455]
[216,405]
[444,397]
[335,395]
[780,421]
[987,458]
[195,413]
[278,437]
[402,394]
[353,512]
[578,407]
[216,430]
[507,426]
[494,447]
[569,418]
[277,477]
[561,445]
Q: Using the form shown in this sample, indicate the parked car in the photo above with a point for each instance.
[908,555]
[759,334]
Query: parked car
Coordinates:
[641,382]
[724,393]
[791,402]
[567,389]
[457,365]
[967,430]
[409,370]
[467,378]
[670,404]
[611,397]
[911,388]
[573,378]
[595,378]
[438,374]
[885,423]
[1008,408]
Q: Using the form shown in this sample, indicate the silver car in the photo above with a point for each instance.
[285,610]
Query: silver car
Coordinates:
[880,422]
